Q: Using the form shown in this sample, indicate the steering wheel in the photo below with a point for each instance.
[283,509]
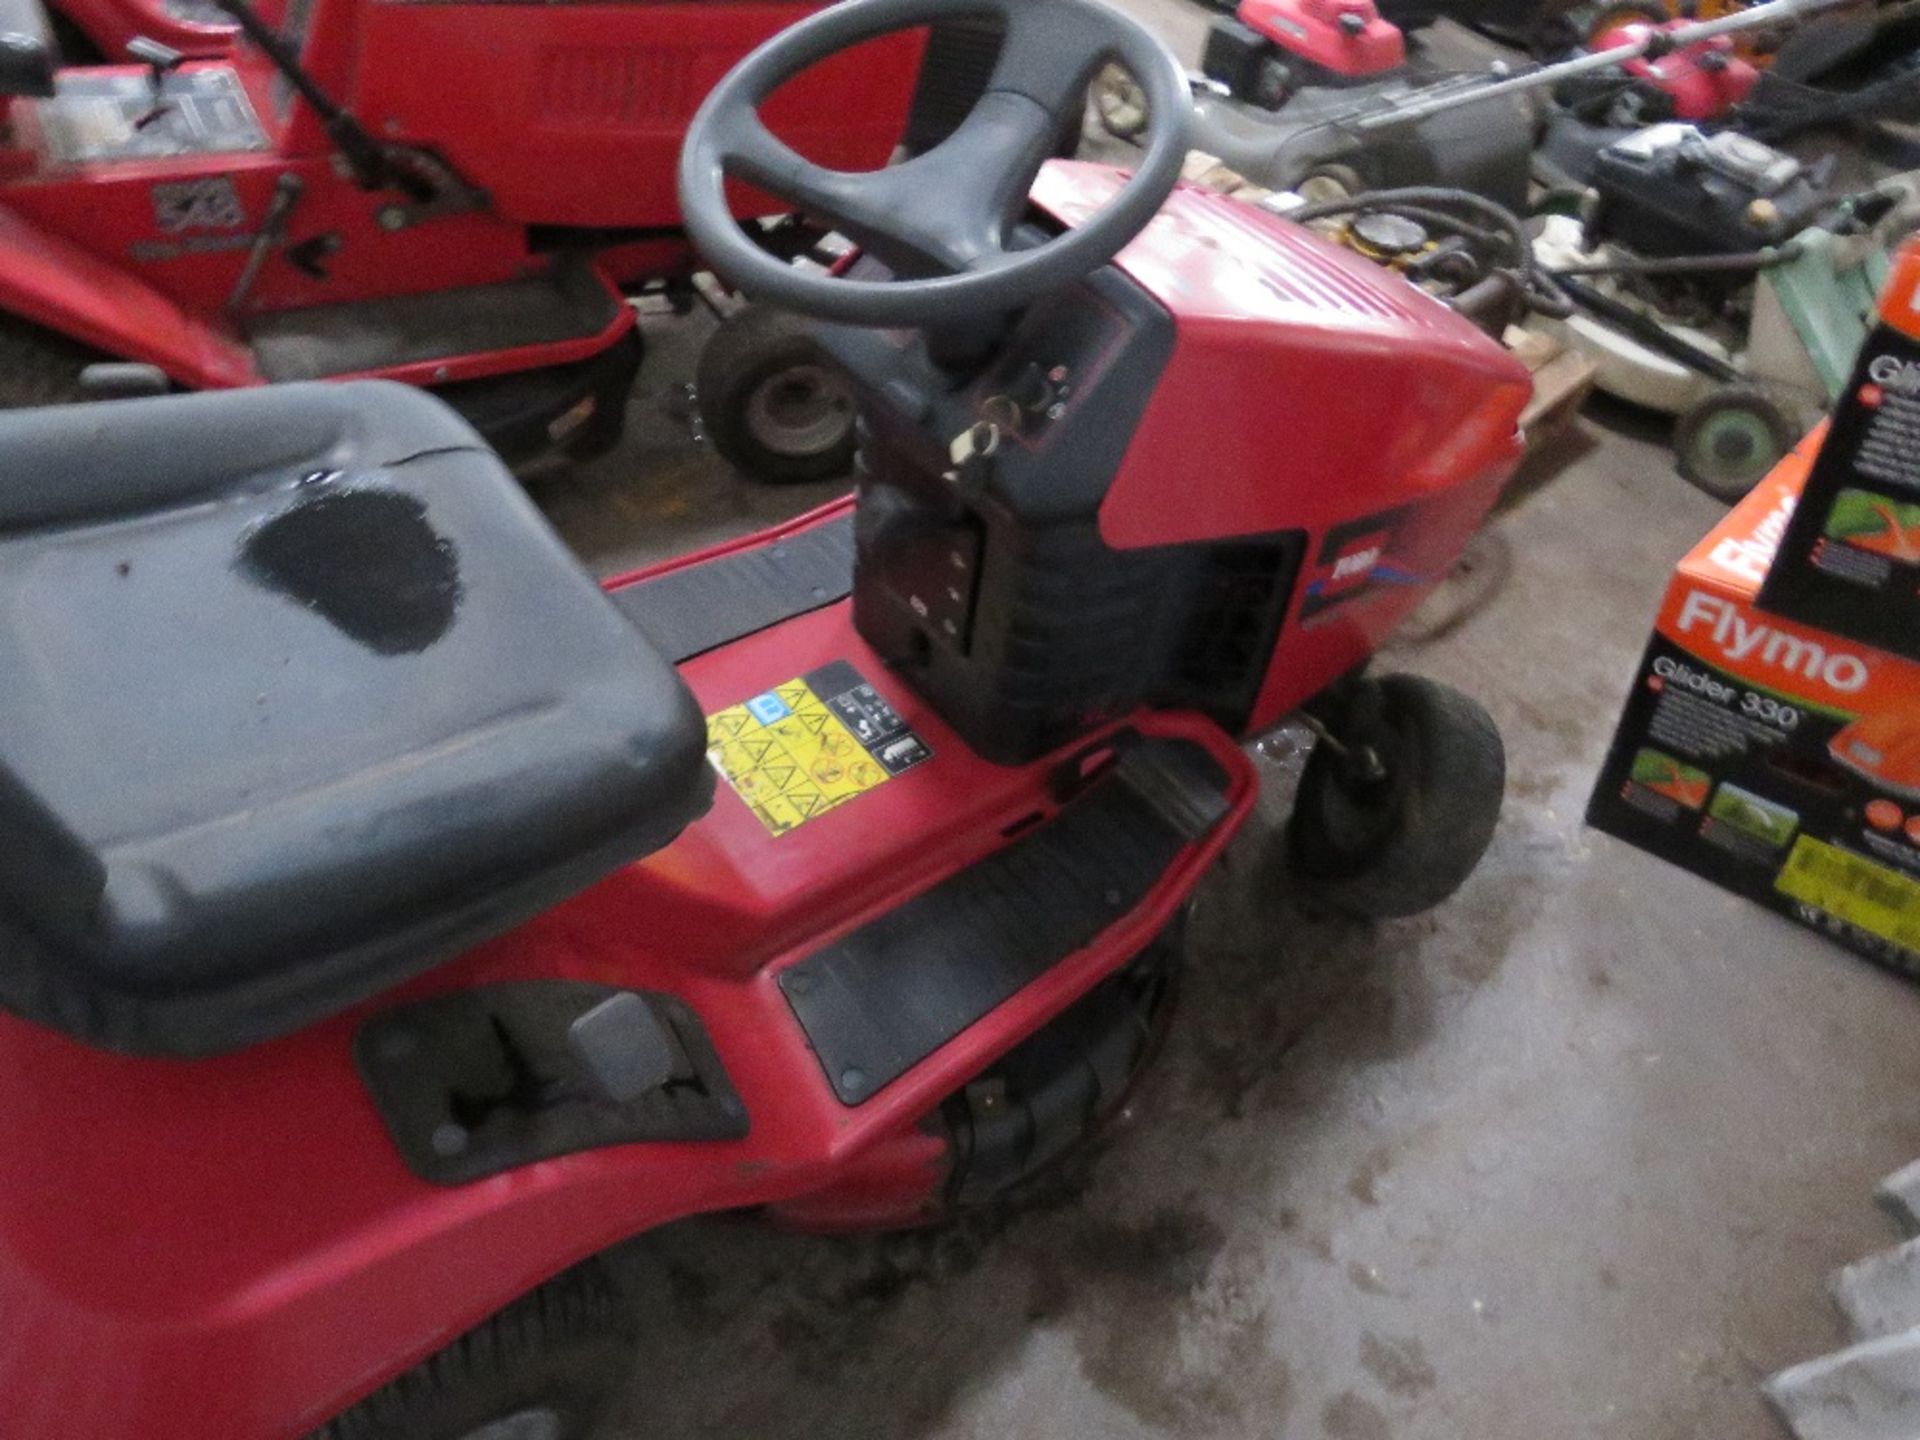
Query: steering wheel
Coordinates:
[942,222]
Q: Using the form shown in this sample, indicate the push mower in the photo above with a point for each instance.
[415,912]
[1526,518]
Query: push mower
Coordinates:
[393,918]
[1408,125]
[1718,281]
[322,203]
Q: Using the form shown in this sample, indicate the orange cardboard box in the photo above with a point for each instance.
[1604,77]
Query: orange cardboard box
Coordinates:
[1850,561]
[1777,760]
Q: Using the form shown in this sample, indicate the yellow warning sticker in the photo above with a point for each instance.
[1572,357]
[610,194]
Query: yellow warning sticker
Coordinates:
[793,753]
[1865,894]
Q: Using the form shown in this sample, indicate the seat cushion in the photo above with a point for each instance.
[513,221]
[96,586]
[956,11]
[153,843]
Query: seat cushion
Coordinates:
[301,696]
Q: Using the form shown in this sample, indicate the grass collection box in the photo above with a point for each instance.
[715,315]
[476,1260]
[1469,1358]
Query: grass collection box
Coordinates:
[1779,761]
[1850,561]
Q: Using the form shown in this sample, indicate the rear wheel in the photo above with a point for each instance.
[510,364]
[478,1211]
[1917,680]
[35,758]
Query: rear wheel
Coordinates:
[1399,800]
[776,406]
[1019,1132]
[39,367]
[1728,442]
[544,1368]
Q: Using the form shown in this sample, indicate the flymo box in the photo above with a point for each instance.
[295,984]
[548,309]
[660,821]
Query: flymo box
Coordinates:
[1850,561]
[1778,761]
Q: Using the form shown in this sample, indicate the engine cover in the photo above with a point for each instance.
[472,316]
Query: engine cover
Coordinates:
[1672,190]
[1346,38]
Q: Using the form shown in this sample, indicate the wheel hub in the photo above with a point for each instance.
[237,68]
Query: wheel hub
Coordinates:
[803,410]
[1734,444]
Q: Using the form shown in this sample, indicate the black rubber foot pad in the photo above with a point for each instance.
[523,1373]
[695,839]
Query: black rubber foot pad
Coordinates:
[689,612]
[480,1081]
[890,994]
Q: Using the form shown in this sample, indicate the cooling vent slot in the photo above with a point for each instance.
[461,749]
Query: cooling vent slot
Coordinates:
[1239,594]
[586,86]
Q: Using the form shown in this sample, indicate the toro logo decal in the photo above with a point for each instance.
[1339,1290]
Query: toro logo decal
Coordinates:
[1357,558]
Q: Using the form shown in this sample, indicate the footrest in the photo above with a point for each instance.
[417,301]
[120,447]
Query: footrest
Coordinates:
[569,302]
[887,996]
[696,608]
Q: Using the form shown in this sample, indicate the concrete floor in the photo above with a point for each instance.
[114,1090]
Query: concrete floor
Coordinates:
[1569,1157]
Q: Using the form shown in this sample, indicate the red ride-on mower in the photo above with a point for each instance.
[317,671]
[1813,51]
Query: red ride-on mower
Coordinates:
[392,918]
[1274,48]
[92,31]
[326,202]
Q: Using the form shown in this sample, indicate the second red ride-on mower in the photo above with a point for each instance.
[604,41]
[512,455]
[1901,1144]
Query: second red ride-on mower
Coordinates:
[101,30]
[393,918]
[455,195]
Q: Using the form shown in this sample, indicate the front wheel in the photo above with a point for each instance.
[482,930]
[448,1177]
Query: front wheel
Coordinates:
[1017,1132]
[1399,800]
[544,1368]
[1728,442]
[775,405]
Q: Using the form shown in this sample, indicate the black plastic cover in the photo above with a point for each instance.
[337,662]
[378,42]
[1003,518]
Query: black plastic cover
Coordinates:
[1672,191]
[480,1081]
[302,697]
[1233,56]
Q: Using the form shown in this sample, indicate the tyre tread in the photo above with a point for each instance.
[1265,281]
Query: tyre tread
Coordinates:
[577,1312]
[39,366]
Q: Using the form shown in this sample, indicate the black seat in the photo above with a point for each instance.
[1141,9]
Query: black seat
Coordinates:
[299,696]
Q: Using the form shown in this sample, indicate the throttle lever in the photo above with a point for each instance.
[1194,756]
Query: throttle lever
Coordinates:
[161,61]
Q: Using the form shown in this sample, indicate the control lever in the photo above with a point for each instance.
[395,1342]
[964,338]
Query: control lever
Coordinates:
[374,166]
[273,229]
[161,61]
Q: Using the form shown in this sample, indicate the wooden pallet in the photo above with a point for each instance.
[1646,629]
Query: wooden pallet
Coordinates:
[1562,380]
